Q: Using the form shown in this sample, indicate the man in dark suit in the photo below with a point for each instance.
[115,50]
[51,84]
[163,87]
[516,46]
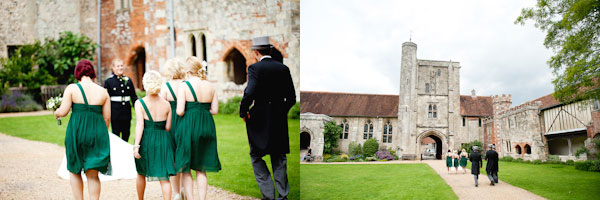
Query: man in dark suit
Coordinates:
[492,164]
[121,91]
[476,163]
[271,92]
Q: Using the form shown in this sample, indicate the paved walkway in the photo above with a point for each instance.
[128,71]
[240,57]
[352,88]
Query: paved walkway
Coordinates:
[463,185]
[28,171]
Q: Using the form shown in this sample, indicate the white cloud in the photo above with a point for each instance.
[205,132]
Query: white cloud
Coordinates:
[355,46]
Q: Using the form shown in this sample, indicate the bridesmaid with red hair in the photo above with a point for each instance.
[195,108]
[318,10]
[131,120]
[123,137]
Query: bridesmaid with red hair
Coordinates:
[86,142]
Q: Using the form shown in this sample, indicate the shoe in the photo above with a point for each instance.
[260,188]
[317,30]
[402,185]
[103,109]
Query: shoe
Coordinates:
[177,197]
[475,185]
[492,183]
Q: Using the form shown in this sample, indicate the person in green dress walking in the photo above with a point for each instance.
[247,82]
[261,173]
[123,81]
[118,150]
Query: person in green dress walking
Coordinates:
[86,142]
[154,147]
[455,160]
[175,71]
[196,136]
[463,160]
[448,157]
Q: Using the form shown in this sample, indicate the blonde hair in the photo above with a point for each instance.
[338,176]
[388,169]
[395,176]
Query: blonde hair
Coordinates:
[195,67]
[175,68]
[152,82]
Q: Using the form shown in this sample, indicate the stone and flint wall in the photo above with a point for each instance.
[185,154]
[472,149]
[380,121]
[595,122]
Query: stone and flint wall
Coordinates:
[520,127]
[313,124]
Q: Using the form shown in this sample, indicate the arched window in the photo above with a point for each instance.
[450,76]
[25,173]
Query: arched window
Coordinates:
[518,149]
[193,42]
[236,67]
[204,56]
[426,87]
[345,129]
[439,72]
[387,132]
[434,111]
[368,131]
[527,149]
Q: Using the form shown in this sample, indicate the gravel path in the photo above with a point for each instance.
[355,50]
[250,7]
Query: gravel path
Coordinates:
[28,171]
[463,185]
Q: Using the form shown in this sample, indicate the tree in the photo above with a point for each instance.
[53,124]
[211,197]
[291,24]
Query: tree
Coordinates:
[469,146]
[60,56]
[331,134]
[573,33]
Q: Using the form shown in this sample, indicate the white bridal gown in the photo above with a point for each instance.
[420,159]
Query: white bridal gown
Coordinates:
[121,160]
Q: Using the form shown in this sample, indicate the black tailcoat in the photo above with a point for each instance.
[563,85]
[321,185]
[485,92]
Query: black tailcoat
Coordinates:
[476,162]
[492,161]
[271,90]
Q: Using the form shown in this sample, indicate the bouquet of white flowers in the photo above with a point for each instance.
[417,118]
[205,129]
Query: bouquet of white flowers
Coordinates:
[53,104]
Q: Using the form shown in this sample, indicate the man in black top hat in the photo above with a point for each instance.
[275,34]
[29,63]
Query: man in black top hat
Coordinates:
[492,164]
[476,163]
[121,91]
[271,92]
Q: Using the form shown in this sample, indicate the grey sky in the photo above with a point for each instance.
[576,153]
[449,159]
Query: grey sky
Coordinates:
[355,46]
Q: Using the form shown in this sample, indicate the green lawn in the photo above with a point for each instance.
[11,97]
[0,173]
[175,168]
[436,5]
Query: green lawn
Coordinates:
[377,181]
[552,181]
[236,176]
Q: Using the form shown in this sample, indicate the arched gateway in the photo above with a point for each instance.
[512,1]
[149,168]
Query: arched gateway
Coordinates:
[431,145]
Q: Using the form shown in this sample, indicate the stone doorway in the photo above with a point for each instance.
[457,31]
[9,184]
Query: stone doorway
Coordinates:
[304,140]
[431,147]
[137,61]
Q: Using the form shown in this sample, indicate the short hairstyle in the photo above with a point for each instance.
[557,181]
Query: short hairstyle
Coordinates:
[175,68]
[116,60]
[194,65]
[152,82]
[84,68]
[265,51]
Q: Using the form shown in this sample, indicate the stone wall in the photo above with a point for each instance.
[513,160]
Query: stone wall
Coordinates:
[356,131]
[226,28]
[313,124]
[24,21]
[520,126]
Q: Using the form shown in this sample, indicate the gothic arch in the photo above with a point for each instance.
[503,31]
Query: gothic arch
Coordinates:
[438,137]
[237,68]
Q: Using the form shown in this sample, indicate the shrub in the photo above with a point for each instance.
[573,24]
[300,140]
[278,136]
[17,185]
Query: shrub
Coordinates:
[384,155]
[371,159]
[519,160]
[332,135]
[553,159]
[18,102]
[231,106]
[582,150]
[570,162]
[527,161]
[537,162]
[354,148]
[370,147]
[507,158]
[344,156]
[326,156]
[588,165]
[469,146]
[392,152]
[294,112]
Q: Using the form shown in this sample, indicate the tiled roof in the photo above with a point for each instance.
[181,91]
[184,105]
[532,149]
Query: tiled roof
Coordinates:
[478,106]
[347,104]
[547,101]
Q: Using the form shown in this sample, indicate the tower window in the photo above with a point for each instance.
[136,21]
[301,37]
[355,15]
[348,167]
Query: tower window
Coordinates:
[426,87]
[432,111]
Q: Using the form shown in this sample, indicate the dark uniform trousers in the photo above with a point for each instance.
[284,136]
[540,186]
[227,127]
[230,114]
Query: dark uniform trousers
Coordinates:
[120,107]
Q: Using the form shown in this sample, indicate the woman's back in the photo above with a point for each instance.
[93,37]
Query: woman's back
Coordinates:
[175,84]
[204,91]
[158,107]
[94,94]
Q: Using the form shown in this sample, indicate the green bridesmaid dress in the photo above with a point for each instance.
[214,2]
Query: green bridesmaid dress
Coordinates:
[463,161]
[448,161]
[174,117]
[196,138]
[156,150]
[455,162]
[86,142]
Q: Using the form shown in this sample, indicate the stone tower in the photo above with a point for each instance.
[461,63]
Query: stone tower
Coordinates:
[406,103]
[429,104]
